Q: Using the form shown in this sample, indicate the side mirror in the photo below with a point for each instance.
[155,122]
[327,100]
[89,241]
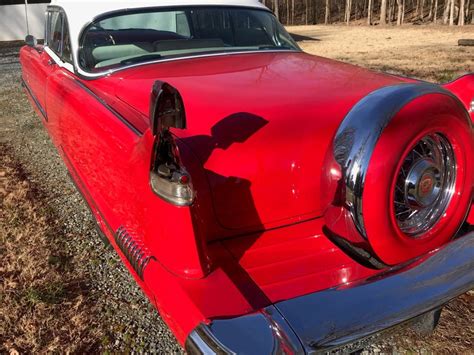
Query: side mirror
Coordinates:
[31,41]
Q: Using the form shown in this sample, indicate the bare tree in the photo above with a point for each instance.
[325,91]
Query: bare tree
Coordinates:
[468,6]
[276,9]
[328,11]
[446,11]
[347,16]
[383,12]
[403,11]
[392,17]
[306,12]
[451,14]
[292,12]
[435,15]
[461,13]
[422,8]
[287,12]
[369,12]
[400,12]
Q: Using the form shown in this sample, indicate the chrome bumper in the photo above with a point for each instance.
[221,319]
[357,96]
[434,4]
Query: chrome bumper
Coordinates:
[325,320]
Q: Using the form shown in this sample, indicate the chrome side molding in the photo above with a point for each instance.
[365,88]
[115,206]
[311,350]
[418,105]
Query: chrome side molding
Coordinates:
[35,99]
[133,249]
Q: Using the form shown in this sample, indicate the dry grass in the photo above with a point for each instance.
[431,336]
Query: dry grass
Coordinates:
[454,334]
[425,52]
[45,305]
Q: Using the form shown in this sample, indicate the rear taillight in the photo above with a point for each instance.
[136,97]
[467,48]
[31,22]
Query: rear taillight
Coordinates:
[168,177]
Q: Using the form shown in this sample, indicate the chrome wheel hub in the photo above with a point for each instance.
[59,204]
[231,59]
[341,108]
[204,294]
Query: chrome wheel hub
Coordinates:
[422,185]
[425,185]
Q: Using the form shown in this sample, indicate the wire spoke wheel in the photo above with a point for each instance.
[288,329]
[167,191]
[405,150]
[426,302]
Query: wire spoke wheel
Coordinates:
[425,185]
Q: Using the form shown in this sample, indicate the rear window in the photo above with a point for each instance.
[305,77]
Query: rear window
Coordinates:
[130,38]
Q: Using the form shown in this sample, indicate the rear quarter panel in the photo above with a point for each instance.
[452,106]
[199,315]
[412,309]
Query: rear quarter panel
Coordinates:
[463,88]
[112,162]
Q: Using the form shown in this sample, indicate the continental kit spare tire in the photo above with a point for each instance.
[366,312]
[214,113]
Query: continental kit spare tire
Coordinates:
[399,176]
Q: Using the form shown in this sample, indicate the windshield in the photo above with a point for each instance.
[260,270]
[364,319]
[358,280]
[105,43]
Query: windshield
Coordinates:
[129,38]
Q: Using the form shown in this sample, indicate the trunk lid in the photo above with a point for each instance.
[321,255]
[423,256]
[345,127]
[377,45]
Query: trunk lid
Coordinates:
[260,124]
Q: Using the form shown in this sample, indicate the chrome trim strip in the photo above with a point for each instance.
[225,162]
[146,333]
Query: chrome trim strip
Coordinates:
[108,107]
[89,76]
[360,131]
[35,100]
[327,320]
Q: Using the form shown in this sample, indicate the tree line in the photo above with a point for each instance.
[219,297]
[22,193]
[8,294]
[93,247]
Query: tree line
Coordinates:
[382,12]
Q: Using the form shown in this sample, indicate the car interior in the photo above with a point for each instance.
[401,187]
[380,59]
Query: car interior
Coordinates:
[120,39]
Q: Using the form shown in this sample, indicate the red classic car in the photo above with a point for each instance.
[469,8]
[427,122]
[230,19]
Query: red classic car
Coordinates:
[265,200]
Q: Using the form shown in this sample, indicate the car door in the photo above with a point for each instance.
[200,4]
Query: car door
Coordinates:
[98,145]
[37,63]
[58,51]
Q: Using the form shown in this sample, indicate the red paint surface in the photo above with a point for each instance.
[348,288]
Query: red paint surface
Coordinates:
[259,124]
[463,87]
[470,218]
[258,130]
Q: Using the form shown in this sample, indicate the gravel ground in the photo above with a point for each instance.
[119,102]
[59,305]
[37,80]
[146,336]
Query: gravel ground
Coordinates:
[129,322]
